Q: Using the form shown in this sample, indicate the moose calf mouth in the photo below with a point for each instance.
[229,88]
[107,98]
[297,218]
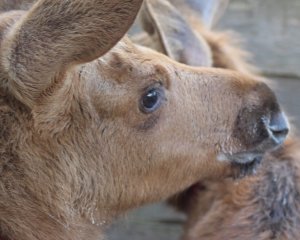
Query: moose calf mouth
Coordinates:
[270,135]
[242,164]
[243,169]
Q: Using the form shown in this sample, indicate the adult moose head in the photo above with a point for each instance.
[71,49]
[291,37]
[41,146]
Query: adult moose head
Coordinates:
[92,125]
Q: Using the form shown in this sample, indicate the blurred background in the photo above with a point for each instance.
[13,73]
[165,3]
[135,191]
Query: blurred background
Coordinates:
[271,33]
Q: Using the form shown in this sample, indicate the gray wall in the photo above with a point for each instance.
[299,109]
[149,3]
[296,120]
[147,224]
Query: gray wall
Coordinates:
[271,29]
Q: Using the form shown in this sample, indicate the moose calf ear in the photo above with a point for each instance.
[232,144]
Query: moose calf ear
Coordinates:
[163,22]
[57,34]
[206,11]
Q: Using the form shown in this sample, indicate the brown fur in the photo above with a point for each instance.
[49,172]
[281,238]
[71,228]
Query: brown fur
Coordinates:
[75,148]
[263,206]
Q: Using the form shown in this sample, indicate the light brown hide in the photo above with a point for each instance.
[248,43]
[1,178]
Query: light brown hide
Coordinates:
[76,150]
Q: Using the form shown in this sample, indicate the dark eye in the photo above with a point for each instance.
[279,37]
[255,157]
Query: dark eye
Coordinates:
[151,100]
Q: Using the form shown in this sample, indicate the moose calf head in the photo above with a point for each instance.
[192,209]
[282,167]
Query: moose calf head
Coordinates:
[94,125]
[188,40]
[256,207]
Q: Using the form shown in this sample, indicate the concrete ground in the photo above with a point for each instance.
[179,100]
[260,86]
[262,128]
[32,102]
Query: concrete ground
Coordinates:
[271,29]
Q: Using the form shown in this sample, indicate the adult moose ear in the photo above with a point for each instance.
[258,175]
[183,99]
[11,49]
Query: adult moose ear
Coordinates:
[208,12]
[164,24]
[54,35]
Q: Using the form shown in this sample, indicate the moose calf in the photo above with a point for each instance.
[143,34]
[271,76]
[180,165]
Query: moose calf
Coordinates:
[263,206]
[93,125]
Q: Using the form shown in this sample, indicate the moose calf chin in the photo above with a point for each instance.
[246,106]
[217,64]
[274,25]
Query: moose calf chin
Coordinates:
[92,126]
[263,206]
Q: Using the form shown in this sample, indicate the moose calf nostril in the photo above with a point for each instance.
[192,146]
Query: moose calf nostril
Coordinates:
[279,126]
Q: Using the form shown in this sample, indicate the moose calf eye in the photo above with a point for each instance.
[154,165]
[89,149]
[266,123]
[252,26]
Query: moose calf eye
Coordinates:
[152,100]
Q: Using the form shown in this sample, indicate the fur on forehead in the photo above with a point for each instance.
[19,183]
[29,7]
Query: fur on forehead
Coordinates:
[126,58]
[119,51]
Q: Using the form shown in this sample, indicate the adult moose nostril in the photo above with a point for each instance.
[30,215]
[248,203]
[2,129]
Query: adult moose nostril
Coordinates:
[279,127]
